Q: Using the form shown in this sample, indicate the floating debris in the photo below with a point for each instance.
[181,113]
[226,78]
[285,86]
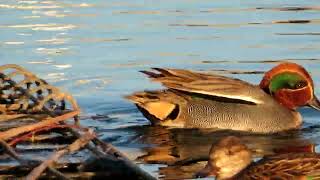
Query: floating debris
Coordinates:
[41,112]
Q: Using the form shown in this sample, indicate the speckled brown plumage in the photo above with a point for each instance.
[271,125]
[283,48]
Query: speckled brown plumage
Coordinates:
[284,166]
[231,159]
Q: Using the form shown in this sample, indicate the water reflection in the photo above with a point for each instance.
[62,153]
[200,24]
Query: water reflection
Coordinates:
[314,8]
[43,27]
[94,50]
[300,34]
[54,41]
[223,71]
[307,60]
[177,147]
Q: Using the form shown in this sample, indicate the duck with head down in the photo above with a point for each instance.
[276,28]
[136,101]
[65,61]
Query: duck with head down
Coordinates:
[198,100]
[231,159]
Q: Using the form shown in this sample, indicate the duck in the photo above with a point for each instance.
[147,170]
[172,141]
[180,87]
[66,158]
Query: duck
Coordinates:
[231,159]
[201,100]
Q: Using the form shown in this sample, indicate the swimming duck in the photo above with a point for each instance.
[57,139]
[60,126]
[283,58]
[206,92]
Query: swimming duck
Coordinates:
[230,159]
[199,100]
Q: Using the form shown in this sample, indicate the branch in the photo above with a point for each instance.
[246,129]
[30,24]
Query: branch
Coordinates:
[11,152]
[30,134]
[110,149]
[27,128]
[75,146]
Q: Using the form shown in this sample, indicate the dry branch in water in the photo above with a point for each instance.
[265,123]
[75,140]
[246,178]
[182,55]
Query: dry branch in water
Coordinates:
[24,95]
[28,128]
[45,128]
[78,144]
[10,151]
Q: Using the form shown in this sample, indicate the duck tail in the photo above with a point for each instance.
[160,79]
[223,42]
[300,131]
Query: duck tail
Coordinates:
[156,106]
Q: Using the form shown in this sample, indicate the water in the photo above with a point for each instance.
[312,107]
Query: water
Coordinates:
[94,49]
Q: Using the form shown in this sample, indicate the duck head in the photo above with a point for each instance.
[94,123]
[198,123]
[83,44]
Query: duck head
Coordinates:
[226,159]
[291,85]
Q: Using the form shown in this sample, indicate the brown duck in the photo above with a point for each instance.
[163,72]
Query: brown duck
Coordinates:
[230,159]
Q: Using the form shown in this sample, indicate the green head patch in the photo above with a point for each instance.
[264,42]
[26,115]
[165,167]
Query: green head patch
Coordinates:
[287,80]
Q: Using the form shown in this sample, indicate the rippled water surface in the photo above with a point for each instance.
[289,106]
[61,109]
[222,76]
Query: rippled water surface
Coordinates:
[94,49]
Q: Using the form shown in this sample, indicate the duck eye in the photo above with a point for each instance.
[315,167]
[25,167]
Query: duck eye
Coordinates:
[300,84]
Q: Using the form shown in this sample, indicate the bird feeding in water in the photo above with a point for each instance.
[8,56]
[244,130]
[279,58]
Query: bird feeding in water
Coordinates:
[199,100]
[231,159]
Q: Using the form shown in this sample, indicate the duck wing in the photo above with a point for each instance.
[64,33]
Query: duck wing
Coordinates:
[284,166]
[207,84]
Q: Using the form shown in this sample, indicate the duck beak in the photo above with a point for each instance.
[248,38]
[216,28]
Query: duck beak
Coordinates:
[315,103]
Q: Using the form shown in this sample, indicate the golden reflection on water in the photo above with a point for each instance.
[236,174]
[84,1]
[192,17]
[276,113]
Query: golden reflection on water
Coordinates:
[28,7]
[14,42]
[36,5]
[174,146]
[43,27]
[41,62]
[52,51]
[54,41]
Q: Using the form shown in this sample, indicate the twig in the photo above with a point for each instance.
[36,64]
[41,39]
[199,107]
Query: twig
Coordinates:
[111,150]
[75,146]
[34,101]
[11,152]
[30,134]
[7,117]
[49,121]
[57,173]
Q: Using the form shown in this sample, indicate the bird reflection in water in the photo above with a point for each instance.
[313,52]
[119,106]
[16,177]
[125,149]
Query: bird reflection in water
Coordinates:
[185,151]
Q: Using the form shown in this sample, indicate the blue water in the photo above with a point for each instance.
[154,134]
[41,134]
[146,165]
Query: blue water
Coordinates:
[94,49]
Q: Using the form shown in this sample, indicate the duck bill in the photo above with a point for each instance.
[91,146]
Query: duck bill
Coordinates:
[315,103]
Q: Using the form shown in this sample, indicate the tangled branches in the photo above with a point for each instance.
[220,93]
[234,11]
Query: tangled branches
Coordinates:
[40,108]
